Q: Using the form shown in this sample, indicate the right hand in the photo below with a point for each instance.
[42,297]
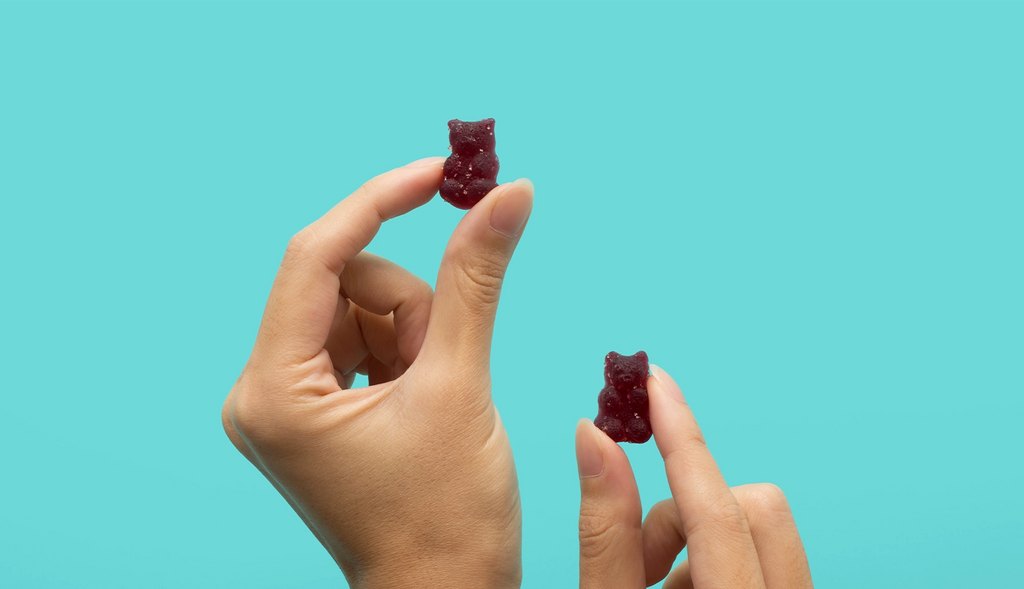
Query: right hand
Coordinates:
[740,538]
[407,482]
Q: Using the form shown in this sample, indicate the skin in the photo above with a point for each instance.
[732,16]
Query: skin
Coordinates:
[411,478]
[738,538]
[410,481]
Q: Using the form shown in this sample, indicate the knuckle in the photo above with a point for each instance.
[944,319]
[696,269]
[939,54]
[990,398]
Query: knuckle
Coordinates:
[686,447]
[418,292]
[257,423]
[424,289]
[371,186]
[695,440]
[724,516]
[597,533]
[244,416]
[369,193]
[229,429]
[225,410]
[771,497]
[482,278]
[664,509]
[305,247]
[765,501]
[731,519]
[301,245]
[225,417]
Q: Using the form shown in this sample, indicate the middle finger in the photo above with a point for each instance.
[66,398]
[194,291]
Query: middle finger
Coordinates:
[384,288]
[359,338]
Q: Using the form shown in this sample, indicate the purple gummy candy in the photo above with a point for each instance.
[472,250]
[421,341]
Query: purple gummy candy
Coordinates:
[622,409]
[471,171]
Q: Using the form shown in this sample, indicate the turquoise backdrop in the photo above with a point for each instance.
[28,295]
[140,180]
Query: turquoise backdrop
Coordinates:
[810,214]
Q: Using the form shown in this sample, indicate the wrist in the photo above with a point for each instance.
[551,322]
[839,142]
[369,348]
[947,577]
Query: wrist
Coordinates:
[469,562]
[482,571]
[416,572]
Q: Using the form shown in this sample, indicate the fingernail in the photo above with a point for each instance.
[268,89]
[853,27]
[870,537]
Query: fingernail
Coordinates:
[667,384]
[513,208]
[589,458]
[427,161]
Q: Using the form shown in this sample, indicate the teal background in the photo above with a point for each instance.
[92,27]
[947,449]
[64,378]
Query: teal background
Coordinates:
[809,214]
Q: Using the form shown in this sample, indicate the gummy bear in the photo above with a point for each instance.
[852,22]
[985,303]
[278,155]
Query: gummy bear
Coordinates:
[622,408]
[471,171]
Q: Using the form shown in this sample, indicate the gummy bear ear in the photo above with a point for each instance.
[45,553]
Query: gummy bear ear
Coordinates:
[612,356]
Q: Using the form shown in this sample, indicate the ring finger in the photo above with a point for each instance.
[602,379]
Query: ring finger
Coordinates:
[779,548]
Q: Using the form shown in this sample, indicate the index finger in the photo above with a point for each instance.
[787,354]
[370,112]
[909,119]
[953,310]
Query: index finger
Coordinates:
[720,548]
[304,297]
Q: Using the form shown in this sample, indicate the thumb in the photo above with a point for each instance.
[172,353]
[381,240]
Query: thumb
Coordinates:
[469,281]
[611,538]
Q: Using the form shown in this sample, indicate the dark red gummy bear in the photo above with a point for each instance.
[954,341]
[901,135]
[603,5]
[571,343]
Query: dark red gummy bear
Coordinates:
[471,171]
[622,409]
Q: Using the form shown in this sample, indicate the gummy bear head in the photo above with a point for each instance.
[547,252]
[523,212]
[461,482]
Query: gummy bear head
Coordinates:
[626,372]
[469,138]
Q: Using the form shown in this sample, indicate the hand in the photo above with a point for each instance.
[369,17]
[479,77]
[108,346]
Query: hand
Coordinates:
[737,538]
[408,481]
